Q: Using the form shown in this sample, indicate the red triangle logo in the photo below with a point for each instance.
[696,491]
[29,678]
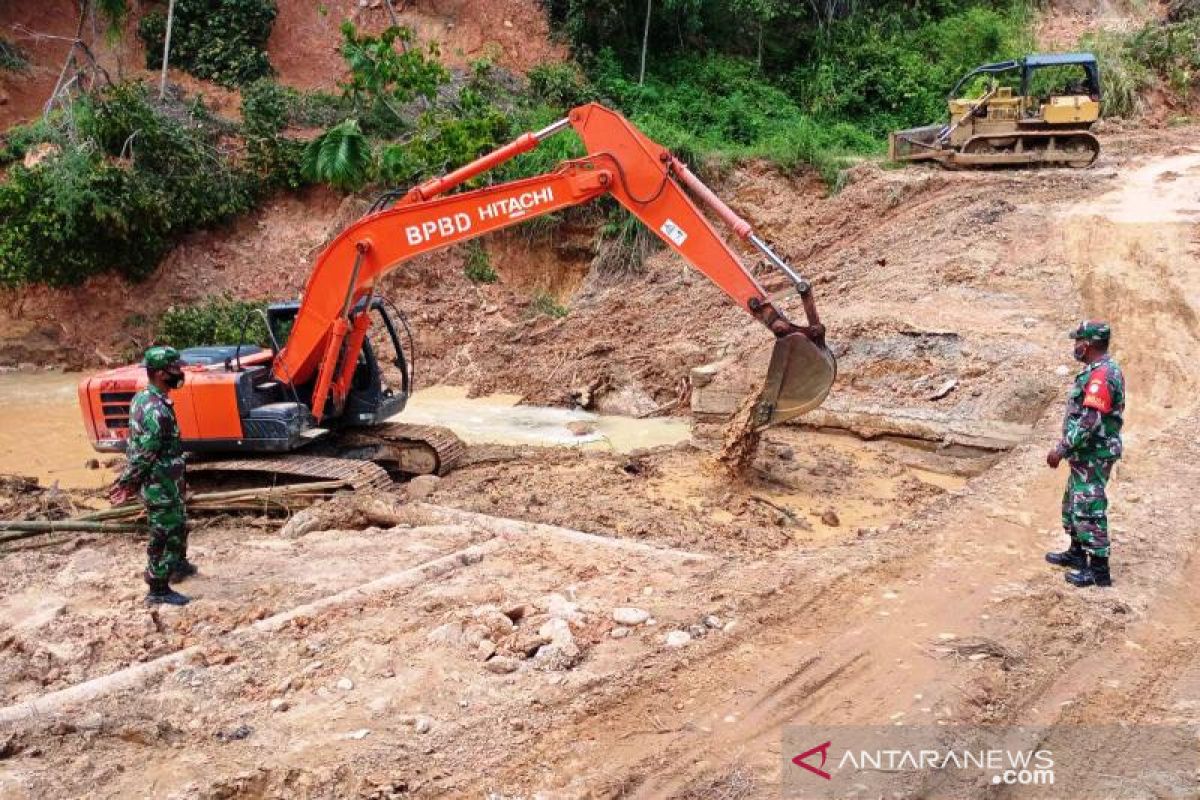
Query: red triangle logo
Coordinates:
[823,749]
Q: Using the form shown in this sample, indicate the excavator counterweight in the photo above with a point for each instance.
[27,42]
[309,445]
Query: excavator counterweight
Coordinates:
[320,387]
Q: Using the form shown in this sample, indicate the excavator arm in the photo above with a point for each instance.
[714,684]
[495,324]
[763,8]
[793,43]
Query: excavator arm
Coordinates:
[643,176]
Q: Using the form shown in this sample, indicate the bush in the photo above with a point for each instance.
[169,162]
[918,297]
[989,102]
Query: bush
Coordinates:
[1122,79]
[544,303]
[882,74]
[1172,51]
[1130,63]
[443,142]
[712,111]
[383,80]
[218,320]
[623,243]
[1182,10]
[478,266]
[75,215]
[266,110]
[19,139]
[138,176]
[559,85]
[219,40]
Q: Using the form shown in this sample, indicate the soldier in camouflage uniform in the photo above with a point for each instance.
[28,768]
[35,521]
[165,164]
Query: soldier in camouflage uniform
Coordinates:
[1091,443]
[155,472]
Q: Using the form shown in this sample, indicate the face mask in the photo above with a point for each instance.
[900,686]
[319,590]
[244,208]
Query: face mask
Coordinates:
[1080,351]
[174,379]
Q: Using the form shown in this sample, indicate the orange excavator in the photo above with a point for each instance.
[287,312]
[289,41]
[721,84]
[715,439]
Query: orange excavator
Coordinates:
[316,403]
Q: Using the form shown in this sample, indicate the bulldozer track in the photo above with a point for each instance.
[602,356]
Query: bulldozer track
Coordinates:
[356,474]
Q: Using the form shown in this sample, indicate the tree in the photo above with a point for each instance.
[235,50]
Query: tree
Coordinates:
[162,84]
[381,77]
[80,58]
[645,43]
[760,14]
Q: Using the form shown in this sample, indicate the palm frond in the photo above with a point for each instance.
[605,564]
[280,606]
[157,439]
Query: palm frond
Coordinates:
[341,157]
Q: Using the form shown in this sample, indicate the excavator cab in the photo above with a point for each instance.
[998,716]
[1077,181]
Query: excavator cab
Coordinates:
[371,398]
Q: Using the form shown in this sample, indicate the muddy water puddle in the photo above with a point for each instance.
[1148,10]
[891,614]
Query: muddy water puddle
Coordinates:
[42,434]
[498,419]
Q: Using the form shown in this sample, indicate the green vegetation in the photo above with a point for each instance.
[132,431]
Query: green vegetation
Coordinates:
[1167,53]
[341,157]
[792,83]
[121,175]
[219,320]
[219,40]
[124,177]
[478,267]
[383,80]
[544,303]
[11,57]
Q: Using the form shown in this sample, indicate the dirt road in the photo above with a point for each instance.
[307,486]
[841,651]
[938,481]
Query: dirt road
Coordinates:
[876,640]
[926,602]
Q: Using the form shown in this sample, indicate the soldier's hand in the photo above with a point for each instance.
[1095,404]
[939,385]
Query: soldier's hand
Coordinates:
[1053,458]
[120,494]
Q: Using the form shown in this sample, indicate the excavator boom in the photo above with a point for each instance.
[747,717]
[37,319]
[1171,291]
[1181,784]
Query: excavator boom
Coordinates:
[640,174]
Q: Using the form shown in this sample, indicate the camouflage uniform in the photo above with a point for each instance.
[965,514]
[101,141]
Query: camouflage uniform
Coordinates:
[155,468]
[1091,444]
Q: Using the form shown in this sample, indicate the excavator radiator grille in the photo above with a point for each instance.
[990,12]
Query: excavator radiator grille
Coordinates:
[115,406]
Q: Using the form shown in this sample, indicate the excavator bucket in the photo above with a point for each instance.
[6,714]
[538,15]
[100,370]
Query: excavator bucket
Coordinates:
[798,379]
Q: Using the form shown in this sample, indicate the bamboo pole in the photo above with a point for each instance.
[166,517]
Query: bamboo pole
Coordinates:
[128,518]
[46,525]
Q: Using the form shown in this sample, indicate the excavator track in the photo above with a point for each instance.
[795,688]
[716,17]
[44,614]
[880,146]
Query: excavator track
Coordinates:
[358,475]
[408,449]
[362,458]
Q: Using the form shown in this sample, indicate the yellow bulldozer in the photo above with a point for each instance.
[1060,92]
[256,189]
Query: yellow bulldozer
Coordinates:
[1035,110]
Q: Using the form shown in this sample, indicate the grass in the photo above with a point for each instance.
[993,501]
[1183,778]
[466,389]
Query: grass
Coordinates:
[545,304]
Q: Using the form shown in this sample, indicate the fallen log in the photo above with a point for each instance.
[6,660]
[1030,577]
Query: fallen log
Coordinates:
[517,528]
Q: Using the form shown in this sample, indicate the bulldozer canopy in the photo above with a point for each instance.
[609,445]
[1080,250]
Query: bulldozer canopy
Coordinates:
[1034,62]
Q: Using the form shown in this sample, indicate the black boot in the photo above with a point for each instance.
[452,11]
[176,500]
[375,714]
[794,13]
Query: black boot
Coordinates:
[1073,557]
[183,570]
[1094,574]
[160,593]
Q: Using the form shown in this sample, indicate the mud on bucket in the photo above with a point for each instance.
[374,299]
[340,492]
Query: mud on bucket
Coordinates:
[798,379]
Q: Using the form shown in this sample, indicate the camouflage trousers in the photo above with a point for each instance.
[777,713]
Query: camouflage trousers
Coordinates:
[1085,505]
[167,516]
